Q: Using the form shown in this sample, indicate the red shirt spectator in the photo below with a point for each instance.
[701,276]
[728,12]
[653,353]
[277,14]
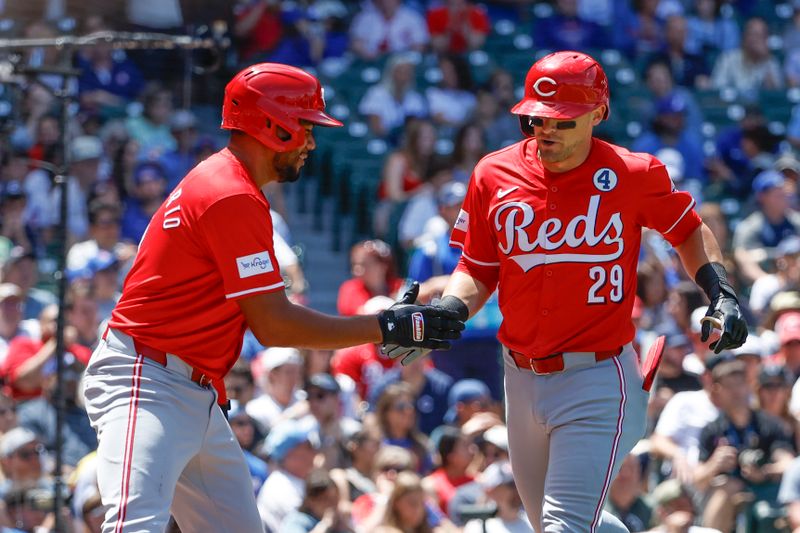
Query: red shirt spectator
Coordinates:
[372,265]
[21,350]
[458,26]
[363,364]
[258,26]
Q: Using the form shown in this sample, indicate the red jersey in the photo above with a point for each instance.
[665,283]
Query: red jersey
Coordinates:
[564,246]
[353,294]
[22,348]
[209,244]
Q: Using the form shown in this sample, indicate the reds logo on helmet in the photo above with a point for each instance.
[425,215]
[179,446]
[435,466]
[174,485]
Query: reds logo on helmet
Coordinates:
[564,85]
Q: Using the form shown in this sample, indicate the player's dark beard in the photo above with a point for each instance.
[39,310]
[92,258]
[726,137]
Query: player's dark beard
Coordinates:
[288,174]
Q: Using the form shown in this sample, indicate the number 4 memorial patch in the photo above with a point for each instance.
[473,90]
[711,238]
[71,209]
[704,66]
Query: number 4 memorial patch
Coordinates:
[605,179]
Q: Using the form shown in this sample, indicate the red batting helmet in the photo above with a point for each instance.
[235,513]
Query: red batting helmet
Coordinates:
[266,97]
[564,85]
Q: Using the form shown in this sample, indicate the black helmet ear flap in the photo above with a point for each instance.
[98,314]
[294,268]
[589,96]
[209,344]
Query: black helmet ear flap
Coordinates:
[525,125]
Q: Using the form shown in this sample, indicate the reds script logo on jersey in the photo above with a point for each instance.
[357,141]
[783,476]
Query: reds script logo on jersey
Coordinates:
[584,239]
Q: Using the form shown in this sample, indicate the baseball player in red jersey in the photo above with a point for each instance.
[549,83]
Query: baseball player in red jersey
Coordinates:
[204,272]
[555,222]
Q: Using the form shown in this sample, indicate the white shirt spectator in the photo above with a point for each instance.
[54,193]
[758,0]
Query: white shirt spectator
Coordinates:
[420,209]
[379,101]
[455,107]
[764,288]
[731,70]
[406,30]
[280,494]
[44,201]
[683,418]
[266,411]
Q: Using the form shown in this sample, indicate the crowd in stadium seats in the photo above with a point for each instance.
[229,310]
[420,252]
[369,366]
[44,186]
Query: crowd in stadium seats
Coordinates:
[348,440]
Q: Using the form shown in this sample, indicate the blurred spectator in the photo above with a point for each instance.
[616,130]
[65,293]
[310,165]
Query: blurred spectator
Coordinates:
[627,498]
[387,26]
[44,196]
[21,269]
[641,32]
[81,312]
[434,259]
[669,129]
[767,227]
[104,236]
[389,462]
[789,494]
[151,128]
[21,460]
[373,269]
[567,30]
[651,288]
[752,66]
[773,391]
[108,80]
[239,384]
[405,509]
[325,415]
[124,162]
[787,274]
[319,510]
[501,128]
[359,477]
[23,368]
[249,437]
[46,137]
[103,270]
[39,414]
[747,447]
[676,438]
[674,510]
[8,414]
[147,195]
[396,415]
[291,452]
[688,69]
[422,222]
[672,377]
[365,365]
[708,30]
[37,103]
[257,27]
[455,453]
[469,146]
[466,398]
[279,383]
[451,101]
[407,167]
[787,328]
[177,163]
[457,26]
[393,100]
[14,225]
[428,387]
[11,324]
[497,482]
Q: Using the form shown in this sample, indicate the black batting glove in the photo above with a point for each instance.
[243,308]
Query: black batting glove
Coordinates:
[724,309]
[418,326]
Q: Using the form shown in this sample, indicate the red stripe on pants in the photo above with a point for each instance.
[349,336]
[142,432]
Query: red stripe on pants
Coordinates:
[130,432]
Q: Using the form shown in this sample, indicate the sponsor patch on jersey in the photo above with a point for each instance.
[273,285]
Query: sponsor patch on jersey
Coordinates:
[254,264]
[419,327]
[462,222]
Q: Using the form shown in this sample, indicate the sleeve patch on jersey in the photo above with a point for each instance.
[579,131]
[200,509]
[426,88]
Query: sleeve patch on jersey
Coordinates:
[254,264]
[462,222]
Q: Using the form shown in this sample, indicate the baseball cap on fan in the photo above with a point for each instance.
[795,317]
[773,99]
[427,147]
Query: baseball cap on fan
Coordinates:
[788,327]
[768,179]
[15,439]
[272,358]
[496,474]
[452,193]
[86,147]
[285,437]
[464,391]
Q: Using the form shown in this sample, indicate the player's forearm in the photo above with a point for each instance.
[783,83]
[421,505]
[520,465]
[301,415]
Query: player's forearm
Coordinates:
[467,289]
[700,248]
[302,327]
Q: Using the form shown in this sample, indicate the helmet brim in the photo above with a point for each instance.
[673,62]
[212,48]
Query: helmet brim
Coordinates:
[556,110]
[320,118]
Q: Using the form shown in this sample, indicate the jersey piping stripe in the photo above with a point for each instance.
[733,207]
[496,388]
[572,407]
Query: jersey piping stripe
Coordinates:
[612,459]
[688,208]
[481,263]
[127,460]
[256,289]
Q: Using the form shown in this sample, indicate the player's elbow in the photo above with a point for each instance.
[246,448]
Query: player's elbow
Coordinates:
[270,317]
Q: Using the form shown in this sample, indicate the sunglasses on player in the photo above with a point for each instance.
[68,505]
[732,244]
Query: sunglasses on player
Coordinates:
[562,125]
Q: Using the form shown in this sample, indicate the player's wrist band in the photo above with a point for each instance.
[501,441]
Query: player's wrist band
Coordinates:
[453,303]
[713,279]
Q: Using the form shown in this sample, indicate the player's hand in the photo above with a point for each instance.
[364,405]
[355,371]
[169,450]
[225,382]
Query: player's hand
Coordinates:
[725,312]
[421,327]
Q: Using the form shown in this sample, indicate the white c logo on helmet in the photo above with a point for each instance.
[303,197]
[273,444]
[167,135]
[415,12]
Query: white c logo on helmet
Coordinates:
[542,80]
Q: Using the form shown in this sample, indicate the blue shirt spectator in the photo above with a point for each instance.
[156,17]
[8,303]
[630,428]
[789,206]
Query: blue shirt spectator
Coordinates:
[566,30]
